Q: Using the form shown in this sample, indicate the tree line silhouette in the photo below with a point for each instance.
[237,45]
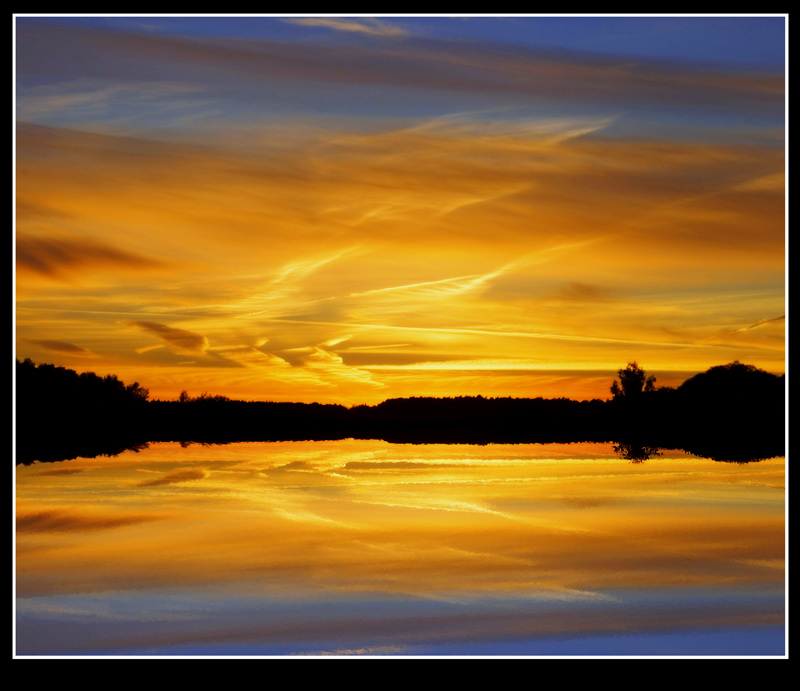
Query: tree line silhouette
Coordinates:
[733,412]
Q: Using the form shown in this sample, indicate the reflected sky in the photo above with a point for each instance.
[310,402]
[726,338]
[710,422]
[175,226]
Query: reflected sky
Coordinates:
[364,547]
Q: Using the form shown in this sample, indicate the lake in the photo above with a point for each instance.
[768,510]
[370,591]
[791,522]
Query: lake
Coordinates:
[361,547]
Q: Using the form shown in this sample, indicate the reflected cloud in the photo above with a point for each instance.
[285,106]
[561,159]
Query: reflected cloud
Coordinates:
[372,27]
[62,471]
[293,466]
[440,505]
[174,478]
[61,520]
[497,543]
[398,465]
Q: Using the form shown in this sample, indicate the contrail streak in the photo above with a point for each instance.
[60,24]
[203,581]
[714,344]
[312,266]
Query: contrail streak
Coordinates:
[482,332]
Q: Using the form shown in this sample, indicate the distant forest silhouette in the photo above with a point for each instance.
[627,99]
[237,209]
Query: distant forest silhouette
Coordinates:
[732,412]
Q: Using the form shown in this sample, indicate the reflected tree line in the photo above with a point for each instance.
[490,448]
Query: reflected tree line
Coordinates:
[733,412]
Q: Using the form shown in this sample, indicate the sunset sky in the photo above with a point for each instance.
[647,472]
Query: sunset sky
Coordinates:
[350,209]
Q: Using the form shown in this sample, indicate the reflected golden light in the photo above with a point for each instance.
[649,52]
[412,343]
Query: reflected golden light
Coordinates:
[418,519]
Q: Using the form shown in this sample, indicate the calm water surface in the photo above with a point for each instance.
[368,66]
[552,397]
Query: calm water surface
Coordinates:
[365,547]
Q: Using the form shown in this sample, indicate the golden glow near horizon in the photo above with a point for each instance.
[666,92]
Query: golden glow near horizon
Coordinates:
[376,496]
[350,257]
[403,543]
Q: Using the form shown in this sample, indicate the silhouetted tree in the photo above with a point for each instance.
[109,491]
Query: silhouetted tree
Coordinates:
[733,384]
[137,392]
[738,407]
[632,382]
[60,413]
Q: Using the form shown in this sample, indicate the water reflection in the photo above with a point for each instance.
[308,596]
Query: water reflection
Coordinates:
[636,453]
[365,547]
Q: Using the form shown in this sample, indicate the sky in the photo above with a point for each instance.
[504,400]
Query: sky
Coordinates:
[347,209]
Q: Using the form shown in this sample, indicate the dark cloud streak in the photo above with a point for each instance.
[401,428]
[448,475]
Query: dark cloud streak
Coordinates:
[60,346]
[175,478]
[583,292]
[180,338]
[64,521]
[53,257]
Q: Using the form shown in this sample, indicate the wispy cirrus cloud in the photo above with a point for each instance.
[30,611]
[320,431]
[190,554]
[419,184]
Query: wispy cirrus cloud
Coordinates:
[105,100]
[763,322]
[373,27]
[440,288]
[323,361]
[276,294]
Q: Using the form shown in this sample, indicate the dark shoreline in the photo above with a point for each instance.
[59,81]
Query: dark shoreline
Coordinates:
[731,413]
